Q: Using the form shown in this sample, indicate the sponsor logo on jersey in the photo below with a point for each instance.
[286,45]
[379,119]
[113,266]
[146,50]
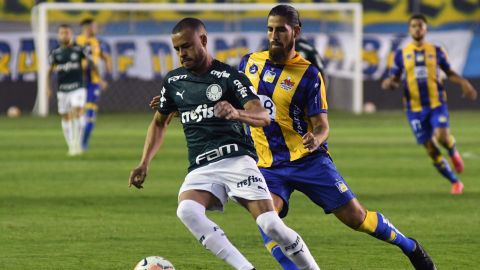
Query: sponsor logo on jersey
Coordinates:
[217,153]
[214,92]
[176,78]
[269,76]
[220,74]
[162,97]
[242,90]
[442,119]
[69,86]
[248,182]
[287,84]
[342,187]
[197,115]
[180,94]
[420,57]
[253,69]
[68,66]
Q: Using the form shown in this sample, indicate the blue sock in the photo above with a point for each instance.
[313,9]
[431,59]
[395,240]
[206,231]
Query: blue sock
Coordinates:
[277,253]
[89,125]
[442,166]
[379,227]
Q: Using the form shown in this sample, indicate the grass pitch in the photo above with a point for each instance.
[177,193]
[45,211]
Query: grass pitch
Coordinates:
[58,212]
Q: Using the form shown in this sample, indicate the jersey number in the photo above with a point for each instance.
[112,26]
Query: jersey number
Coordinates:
[269,105]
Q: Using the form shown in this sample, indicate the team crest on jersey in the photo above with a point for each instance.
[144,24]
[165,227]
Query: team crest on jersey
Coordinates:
[73,56]
[214,92]
[430,56]
[253,69]
[341,186]
[409,56]
[269,76]
[58,57]
[287,84]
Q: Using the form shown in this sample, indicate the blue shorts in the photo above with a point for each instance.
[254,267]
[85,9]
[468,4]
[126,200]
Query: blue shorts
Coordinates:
[315,176]
[93,92]
[425,122]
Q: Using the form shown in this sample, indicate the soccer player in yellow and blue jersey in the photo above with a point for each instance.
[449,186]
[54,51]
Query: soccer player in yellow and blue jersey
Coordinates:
[292,150]
[425,97]
[95,83]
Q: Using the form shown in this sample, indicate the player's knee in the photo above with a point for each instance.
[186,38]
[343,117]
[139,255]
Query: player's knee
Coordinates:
[271,225]
[189,211]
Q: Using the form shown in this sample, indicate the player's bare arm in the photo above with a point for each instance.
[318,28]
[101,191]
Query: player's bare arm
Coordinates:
[467,89]
[254,113]
[153,141]
[49,77]
[391,83]
[312,140]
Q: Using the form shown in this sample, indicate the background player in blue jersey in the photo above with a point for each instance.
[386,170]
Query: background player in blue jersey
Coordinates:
[97,50]
[213,101]
[293,152]
[425,97]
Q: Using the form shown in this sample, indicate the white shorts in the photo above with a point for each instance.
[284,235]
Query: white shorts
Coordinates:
[69,100]
[236,177]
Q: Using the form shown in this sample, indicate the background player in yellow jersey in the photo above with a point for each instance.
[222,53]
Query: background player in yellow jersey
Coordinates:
[425,97]
[293,152]
[88,39]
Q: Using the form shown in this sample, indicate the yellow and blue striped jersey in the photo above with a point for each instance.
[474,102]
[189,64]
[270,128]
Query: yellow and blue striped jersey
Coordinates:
[423,87]
[94,48]
[291,93]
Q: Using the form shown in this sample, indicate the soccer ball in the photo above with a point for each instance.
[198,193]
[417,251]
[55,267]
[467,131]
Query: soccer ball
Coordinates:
[14,112]
[154,263]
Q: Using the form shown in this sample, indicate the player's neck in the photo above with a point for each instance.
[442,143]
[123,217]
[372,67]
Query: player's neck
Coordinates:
[419,43]
[66,45]
[204,67]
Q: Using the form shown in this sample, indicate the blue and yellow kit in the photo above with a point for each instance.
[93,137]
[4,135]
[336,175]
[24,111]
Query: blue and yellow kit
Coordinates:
[291,93]
[94,47]
[422,80]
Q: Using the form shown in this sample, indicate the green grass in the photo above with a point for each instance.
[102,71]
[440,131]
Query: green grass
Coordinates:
[58,212]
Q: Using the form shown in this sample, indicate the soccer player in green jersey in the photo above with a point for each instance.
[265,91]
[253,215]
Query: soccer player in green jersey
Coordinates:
[425,97]
[213,101]
[66,61]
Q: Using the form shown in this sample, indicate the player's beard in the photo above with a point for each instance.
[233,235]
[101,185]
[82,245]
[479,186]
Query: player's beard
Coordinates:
[279,54]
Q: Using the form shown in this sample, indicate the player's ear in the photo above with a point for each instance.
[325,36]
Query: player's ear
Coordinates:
[203,39]
[296,31]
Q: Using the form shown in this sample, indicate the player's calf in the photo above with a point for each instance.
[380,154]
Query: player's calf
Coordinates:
[290,242]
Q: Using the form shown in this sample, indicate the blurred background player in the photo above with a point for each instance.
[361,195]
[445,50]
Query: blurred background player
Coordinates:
[95,83]
[68,62]
[292,150]
[425,97]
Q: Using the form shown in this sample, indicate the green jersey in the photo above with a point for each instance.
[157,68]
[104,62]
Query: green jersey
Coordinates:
[67,62]
[209,138]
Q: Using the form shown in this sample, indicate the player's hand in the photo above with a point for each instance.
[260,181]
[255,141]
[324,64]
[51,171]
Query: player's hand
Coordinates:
[154,102]
[224,109]
[310,142]
[103,85]
[137,177]
[469,91]
[389,84]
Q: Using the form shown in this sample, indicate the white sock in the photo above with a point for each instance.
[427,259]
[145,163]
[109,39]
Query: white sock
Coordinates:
[289,241]
[192,214]
[77,134]
[68,133]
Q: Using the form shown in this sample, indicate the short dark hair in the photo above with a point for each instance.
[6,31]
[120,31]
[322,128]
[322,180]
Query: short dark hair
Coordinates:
[418,16]
[288,12]
[87,21]
[192,23]
[64,25]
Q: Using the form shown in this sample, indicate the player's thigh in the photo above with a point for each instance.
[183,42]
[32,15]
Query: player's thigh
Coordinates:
[203,197]
[277,179]
[440,122]
[93,92]
[420,125]
[318,178]
[78,98]
[63,103]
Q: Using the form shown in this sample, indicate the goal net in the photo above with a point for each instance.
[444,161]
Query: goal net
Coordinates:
[137,37]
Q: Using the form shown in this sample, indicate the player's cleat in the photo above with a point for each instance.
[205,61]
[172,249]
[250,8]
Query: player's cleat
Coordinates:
[457,188]
[458,162]
[420,258]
